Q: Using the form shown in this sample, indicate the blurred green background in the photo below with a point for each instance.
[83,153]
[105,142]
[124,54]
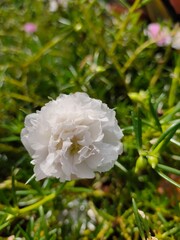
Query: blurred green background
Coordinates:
[98,47]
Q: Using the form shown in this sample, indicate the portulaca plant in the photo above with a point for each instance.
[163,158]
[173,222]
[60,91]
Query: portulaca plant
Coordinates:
[72,137]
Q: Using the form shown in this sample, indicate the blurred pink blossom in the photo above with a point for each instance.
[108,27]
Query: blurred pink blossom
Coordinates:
[12,237]
[161,35]
[30,27]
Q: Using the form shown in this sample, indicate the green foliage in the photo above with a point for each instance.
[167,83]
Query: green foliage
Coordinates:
[86,46]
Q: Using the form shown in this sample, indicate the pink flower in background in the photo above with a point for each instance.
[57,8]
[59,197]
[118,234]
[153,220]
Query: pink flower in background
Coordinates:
[161,35]
[30,27]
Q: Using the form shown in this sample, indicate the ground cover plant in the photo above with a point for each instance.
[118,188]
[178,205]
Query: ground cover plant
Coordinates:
[50,48]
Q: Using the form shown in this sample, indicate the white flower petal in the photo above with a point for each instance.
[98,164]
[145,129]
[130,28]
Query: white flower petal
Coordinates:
[72,137]
[83,171]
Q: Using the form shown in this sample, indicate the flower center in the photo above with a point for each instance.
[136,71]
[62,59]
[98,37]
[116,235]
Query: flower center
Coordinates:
[75,147]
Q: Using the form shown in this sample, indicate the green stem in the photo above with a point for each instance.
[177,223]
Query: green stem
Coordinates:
[124,25]
[37,204]
[15,212]
[174,84]
[160,67]
[44,50]
[100,40]
[42,201]
[136,53]
[171,232]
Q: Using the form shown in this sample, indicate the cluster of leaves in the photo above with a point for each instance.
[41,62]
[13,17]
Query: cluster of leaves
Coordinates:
[88,46]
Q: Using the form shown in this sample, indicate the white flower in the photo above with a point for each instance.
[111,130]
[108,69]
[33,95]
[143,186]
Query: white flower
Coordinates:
[54,4]
[176,40]
[72,137]
[141,213]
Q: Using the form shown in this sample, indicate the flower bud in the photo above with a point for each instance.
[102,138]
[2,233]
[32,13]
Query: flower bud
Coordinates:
[153,160]
[141,163]
[138,96]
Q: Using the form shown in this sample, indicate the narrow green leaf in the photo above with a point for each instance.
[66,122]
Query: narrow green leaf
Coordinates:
[44,50]
[26,192]
[14,82]
[154,114]
[175,142]
[138,220]
[166,140]
[119,165]
[30,179]
[174,84]
[24,234]
[37,204]
[4,225]
[21,97]
[161,217]
[137,124]
[13,188]
[170,113]
[37,234]
[165,137]
[43,224]
[171,232]
[168,169]
[79,190]
[10,139]
[124,3]
[168,179]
